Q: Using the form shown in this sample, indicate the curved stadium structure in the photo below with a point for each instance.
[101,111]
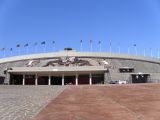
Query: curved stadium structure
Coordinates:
[71,67]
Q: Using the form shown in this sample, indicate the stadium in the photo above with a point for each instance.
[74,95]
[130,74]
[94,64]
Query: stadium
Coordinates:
[69,67]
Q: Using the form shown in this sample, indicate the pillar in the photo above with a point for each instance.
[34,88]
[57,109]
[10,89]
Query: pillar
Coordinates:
[49,80]
[7,79]
[90,79]
[76,79]
[62,79]
[36,80]
[23,79]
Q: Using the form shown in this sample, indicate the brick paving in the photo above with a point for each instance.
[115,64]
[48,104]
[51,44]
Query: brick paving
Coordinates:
[24,102]
[110,102]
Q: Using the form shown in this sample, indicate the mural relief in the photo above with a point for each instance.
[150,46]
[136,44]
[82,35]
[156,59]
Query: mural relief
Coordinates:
[68,61]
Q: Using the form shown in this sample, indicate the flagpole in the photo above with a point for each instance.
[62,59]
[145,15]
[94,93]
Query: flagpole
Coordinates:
[119,49]
[135,48]
[26,46]
[110,47]
[99,46]
[128,49]
[53,45]
[18,50]
[158,54]
[81,45]
[44,48]
[35,47]
[151,52]
[4,53]
[27,49]
[18,47]
[144,52]
[90,45]
[11,51]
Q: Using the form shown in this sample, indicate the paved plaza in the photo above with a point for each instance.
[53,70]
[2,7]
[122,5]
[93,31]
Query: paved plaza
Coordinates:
[99,102]
[110,102]
[24,102]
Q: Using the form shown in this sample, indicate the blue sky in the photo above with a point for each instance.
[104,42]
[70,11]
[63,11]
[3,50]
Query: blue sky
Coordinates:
[66,22]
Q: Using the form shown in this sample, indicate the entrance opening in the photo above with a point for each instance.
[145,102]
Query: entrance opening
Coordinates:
[97,78]
[83,79]
[56,80]
[69,80]
[140,78]
[29,79]
[16,79]
[2,80]
[42,80]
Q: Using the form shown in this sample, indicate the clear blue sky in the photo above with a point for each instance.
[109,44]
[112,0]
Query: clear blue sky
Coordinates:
[66,22]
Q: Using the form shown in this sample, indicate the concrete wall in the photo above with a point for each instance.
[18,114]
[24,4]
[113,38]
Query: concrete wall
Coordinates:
[115,61]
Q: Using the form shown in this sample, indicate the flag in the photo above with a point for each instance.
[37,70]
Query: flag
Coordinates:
[18,45]
[53,42]
[134,45]
[90,41]
[26,45]
[11,49]
[99,42]
[43,43]
[81,41]
[3,48]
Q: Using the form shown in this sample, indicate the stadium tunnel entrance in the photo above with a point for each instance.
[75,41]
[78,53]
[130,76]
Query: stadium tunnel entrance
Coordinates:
[69,80]
[59,79]
[16,79]
[140,78]
[56,80]
[42,80]
[83,79]
[98,79]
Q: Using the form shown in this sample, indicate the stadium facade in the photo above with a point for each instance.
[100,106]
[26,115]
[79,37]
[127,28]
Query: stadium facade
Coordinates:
[71,67]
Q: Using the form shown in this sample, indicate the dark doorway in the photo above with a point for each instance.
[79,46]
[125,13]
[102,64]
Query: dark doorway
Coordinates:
[16,79]
[69,80]
[29,79]
[56,80]
[97,78]
[42,80]
[140,78]
[83,79]
[2,80]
